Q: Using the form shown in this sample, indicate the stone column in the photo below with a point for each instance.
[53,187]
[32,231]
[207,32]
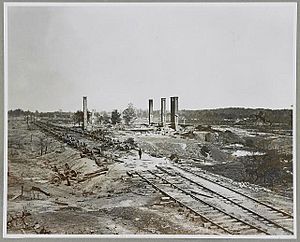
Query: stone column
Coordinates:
[150,111]
[174,113]
[163,111]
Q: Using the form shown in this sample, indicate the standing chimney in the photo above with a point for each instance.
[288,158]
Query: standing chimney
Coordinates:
[174,113]
[150,111]
[84,126]
[163,111]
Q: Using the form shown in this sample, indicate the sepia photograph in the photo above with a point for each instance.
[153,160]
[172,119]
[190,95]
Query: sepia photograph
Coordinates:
[150,120]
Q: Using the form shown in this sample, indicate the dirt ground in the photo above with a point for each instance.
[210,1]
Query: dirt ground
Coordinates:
[111,203]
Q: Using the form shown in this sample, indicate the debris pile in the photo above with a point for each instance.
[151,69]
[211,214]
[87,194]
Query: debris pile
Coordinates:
[104,152]
[21,221]
[66,175]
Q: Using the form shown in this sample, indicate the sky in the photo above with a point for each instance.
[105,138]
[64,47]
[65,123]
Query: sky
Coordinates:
[209,55]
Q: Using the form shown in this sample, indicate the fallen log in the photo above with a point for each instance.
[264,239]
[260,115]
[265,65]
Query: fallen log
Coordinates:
[94,175]
[97,171]
[16,197]
[91,176]
[61,203]
[37,189]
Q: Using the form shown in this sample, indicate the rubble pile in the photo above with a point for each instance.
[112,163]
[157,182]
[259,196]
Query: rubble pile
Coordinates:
[22,221]
[106,149]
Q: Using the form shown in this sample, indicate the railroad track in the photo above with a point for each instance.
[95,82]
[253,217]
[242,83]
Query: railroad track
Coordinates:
[83,140]
[223,210]
[76,139]
[203,175]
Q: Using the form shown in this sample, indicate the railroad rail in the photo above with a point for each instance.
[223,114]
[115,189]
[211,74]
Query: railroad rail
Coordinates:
[217,217]
[269,220]
[235,191]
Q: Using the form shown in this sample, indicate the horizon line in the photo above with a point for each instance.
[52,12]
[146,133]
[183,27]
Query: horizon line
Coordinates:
[182,109]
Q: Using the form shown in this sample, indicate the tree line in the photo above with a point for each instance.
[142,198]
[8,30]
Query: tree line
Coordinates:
[227,115]
[128,115]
